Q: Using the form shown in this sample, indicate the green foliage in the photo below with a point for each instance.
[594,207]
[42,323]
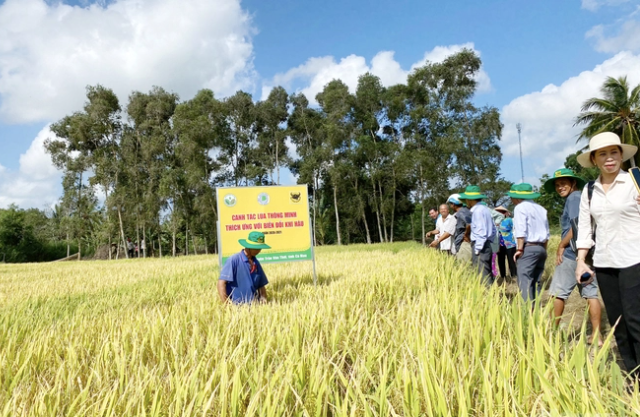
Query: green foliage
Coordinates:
[369,158]
[618,111]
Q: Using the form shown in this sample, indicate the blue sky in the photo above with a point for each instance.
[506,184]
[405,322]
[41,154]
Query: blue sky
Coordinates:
[540,61]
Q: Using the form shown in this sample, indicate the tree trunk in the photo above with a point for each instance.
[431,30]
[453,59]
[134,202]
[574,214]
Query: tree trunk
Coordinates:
[335,204]
[277,163]
[124,241]
[366,226]
[144,239]
[68,246]
[79,201]
[206,247]
[137,239]
[375,207]
[159,240]
[384,216]
[413,230]
[186,241]
[106,214]
[424,241]
[193,239]
[174,238]
[315,186]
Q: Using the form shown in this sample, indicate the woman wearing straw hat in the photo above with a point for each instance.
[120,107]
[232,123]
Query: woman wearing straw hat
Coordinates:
[615,210]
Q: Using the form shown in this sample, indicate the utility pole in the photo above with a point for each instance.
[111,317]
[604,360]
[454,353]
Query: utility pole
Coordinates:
[519,127]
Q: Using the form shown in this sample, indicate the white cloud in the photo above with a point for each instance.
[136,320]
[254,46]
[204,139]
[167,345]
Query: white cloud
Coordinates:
[627,37]
[37,181]
[593,5]
[49,51]
[319,71]
[547,116]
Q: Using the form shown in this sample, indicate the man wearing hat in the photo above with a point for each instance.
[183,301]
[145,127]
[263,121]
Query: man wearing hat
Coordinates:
[242,279]
[461,246]
[483,232]
[531,230]
[568,185]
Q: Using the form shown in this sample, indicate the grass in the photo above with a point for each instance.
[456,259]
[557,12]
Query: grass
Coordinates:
[390,330]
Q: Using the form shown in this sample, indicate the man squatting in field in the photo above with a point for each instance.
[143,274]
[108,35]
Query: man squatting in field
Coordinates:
[568,185]
[483,232]
[242,279]
[531,230]
[461,245]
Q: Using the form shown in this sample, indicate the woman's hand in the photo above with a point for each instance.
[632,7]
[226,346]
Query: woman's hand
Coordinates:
[638,199]
[581,269]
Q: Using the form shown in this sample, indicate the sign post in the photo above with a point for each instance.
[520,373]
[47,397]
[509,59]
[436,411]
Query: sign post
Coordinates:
[280,212]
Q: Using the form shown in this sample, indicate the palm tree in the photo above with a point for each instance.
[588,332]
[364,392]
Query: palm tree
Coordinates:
[618,112]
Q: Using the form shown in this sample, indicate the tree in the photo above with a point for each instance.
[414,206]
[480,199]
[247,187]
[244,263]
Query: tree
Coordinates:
[617,111]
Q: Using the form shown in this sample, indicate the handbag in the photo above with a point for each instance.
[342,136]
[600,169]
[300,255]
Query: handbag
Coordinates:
[574,229]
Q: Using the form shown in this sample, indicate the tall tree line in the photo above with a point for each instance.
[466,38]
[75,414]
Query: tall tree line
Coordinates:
[374,159]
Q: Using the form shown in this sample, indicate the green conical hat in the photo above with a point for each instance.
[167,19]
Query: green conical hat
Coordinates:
[472,192]
[523,191]
[254,241]
[550,184]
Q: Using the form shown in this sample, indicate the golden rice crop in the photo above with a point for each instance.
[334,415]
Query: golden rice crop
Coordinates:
[389,330]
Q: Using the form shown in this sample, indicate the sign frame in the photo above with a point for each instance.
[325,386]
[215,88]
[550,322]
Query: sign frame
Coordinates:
[311,231]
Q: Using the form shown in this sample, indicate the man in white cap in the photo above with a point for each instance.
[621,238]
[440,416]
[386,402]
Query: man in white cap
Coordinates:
[461,243]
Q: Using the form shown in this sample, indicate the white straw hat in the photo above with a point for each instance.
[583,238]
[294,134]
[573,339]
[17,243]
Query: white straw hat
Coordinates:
[602,140]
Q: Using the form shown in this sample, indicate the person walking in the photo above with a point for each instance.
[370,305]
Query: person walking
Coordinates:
[461,242]
[507,246]
[568,185]
[130,247]
[614,209]
[482,232]
[531,230]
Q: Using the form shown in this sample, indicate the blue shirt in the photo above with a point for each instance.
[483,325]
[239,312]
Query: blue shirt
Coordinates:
[571,211]
[482,227]
[506,232]
[242,284]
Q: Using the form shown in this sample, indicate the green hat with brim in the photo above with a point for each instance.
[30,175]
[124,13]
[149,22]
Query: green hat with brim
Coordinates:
[472,192]
[255,240]
[523,191]
[550,184]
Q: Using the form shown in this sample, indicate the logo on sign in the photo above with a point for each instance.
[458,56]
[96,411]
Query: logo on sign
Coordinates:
[230,200]
[295,197]
[263,199]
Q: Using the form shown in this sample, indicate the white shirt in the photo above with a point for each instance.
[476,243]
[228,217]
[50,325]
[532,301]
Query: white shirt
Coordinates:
[617,216]
[530,222]
[482,227]
[447,225]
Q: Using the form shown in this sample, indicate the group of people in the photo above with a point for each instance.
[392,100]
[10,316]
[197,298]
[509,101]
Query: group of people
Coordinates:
[474,232]
[133,250]
[610,263]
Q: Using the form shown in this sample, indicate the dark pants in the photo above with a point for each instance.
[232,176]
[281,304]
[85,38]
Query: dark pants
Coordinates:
[483,262]
[530,269]
[506,255]
[620,290]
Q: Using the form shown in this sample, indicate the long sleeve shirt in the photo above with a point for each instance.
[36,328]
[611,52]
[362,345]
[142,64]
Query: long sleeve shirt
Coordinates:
[530,222]
[617,218]
[482,227]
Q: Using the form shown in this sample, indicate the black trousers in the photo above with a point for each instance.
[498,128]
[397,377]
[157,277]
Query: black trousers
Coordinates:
[506,254]
[620,290]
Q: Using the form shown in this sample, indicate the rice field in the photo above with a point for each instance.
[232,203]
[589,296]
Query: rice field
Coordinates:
[390,330]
